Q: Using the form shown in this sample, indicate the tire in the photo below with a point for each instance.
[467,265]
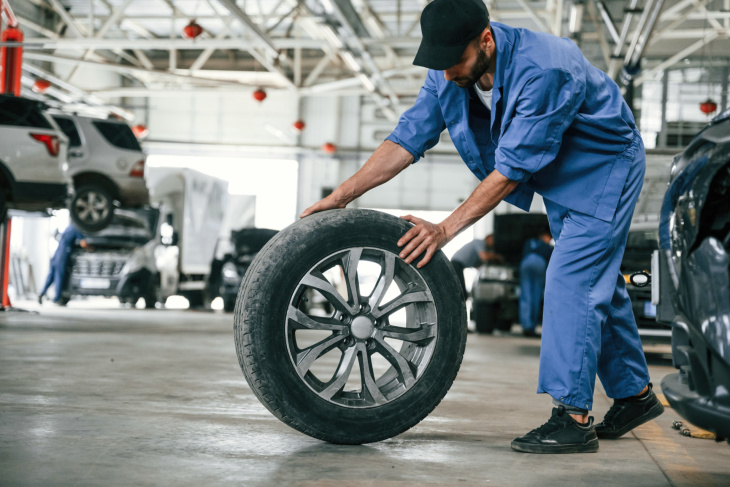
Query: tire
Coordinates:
[196,299]
[92,208]
[485,317]
[416,373]
[229,303]
[3,207]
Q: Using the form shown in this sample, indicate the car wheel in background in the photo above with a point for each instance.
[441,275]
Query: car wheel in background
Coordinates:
[485,316]
[229,303]
[386,355]
[92,208]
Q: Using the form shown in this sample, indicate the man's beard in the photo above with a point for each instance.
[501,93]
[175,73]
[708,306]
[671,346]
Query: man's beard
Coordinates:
[477,71]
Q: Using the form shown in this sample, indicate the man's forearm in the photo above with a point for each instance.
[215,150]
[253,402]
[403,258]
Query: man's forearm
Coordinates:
[493,189]
[387,161]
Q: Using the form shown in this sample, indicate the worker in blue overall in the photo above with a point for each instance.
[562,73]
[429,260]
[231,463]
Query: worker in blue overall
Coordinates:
[536,254]
[474,254]
[57,274]
[528,113]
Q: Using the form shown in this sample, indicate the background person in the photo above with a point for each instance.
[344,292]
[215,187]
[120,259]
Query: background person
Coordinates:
[535,257]
[70,238]
[474,254]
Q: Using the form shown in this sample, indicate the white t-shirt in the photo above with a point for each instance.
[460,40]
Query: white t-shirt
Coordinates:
[484,95]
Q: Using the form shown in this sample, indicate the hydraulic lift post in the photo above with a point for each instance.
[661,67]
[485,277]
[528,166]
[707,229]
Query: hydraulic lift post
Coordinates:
[11,62]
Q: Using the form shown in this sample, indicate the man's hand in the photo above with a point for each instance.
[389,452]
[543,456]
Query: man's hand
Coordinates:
[327,203]
[423,237]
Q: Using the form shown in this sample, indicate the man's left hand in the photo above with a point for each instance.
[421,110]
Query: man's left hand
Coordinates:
[423,237]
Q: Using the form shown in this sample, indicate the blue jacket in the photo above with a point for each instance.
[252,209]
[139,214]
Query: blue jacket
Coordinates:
[556,124]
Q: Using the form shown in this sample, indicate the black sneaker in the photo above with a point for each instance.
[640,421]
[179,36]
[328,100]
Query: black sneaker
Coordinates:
[626,414]
[561,434]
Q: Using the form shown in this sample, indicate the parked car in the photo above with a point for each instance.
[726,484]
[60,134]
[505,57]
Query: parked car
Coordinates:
[691,278]
[106,164]
[496,290]
[119,260]
[232,259]
[642,241]
[33,165]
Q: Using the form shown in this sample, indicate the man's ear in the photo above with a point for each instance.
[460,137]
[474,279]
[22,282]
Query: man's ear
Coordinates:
[485,38]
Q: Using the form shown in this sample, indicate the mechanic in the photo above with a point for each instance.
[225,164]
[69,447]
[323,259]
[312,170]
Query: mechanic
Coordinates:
[533,267]
[549,123]
[57,270]
[474,254]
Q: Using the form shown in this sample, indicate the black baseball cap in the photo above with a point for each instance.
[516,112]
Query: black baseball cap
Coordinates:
[447,27]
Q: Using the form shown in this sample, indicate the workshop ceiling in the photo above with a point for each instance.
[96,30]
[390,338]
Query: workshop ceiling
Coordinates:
[333,47]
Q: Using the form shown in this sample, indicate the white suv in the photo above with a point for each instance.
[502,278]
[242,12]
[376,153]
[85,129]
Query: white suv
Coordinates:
[106,164]
[32,157]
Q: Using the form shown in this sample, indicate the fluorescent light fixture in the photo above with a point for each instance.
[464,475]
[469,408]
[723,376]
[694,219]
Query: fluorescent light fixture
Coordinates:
[366,82]
[350,61]
[576,18]
[330,36]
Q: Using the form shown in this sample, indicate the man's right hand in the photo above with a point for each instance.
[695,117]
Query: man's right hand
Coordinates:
[327,203]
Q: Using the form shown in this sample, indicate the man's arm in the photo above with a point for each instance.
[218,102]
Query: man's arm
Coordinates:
[429,237]
[387,161]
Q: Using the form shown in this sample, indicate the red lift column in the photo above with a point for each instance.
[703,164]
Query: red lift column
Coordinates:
[11,66]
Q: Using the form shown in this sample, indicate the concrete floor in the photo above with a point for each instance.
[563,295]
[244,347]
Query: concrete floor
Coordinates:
[132,397]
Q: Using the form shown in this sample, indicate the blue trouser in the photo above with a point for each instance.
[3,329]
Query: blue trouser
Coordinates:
[588,324]
[532,288]
[57,274]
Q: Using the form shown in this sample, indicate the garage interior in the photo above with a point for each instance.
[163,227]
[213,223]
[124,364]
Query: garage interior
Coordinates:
[257,109]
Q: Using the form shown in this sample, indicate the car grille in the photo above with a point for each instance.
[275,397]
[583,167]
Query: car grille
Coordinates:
[109,265]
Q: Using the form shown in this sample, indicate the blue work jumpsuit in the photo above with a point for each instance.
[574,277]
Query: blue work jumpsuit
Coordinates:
[559,127]
[57,272]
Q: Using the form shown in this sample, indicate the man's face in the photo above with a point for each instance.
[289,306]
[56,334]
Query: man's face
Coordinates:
[472,66]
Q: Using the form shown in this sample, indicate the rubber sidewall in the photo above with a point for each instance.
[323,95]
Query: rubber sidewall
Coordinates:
[261,343]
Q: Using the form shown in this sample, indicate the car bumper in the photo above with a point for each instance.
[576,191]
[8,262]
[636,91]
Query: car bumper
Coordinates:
[133,192]
[696,409]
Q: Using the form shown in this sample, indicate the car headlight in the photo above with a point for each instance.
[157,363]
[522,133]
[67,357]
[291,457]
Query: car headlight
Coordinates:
[230,272]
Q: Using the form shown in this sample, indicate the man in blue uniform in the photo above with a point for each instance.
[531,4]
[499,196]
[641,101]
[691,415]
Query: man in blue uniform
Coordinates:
[474,254]
[57,272]
[535,257]
[528,113]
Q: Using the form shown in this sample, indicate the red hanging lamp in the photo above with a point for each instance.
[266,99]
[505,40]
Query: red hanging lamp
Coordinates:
[299,125]
[329,148]
[140,131]
[259,95]
[708,106]
[192,30]
[41,85]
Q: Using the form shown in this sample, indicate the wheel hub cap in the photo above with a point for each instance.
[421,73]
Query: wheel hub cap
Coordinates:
[362,327]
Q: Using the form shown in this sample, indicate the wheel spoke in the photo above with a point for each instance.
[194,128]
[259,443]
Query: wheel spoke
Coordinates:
[399,302]
[426,330]
[369,386]
[384,280]
[307,322]
[402,366]
[341,374]
[327,290]
[306,357]
[350,264]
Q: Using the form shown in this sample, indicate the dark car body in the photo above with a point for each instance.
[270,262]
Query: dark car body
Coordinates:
[230,264]
[691,278]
